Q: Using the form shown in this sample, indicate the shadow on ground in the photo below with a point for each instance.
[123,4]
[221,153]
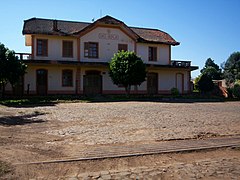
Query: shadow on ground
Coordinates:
[160,99]
[21,119]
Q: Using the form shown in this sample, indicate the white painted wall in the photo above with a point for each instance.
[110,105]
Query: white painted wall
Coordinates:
[107,47]
[162,53]
[54,78]
[167,79]
[55,48]
[107,84]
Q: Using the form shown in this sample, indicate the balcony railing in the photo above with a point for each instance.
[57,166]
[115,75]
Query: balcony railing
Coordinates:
[177,63]
[174,63]
[23,56]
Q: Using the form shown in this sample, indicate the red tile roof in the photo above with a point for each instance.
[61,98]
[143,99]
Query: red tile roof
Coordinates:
[71,28]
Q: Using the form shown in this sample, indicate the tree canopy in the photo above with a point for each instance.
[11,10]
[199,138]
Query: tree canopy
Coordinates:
[232,68]
[212,70]
[205,83]
[11,69]
[127,69]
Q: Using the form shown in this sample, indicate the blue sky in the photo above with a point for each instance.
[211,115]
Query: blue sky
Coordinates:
[205,28]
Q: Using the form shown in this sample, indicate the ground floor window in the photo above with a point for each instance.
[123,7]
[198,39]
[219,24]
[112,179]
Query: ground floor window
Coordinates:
[67,78]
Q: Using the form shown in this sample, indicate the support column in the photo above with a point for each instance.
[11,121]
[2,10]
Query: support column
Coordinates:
[78,49]
[78,81]
[189,82]
[33,46]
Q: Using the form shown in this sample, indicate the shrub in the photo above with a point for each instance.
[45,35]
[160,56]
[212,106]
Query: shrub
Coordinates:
[236,90]
[205,84]
[230,92]
[175,92]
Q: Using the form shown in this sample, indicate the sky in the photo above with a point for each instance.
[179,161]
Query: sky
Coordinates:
[204,28]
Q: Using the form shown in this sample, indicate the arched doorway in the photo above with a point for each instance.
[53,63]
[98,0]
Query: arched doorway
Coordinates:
[180,82]
[92,83]
[42,82]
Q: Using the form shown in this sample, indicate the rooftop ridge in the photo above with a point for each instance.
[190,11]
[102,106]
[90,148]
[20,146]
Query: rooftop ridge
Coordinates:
[50,19]
[38,25]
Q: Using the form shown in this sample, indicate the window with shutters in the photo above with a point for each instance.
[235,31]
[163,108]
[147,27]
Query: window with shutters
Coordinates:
[91,49]
[152,53]
[122,47]
[42,47]
[67,78]
[67,49]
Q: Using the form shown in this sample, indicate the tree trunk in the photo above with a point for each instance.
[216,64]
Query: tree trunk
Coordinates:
[3,90]
[13,90]
[128,89]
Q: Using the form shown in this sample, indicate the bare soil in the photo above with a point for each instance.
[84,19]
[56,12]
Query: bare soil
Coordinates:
[52,132]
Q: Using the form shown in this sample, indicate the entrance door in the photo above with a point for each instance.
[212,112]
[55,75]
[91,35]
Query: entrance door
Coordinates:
[42,82]
[179,81]
[92,83]
[152,83]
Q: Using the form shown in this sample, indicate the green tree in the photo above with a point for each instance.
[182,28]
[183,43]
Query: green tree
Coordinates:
[3,67]
[232,68]
[11,69]
[205,83]
[212,70]
[236,90]
[196,82]
[127,69]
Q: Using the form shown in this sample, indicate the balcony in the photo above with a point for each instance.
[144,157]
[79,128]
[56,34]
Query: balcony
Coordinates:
[23,56]
[177,63]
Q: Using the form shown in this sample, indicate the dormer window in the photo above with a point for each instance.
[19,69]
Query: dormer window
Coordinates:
[42,47]
[152,53]
[91,49]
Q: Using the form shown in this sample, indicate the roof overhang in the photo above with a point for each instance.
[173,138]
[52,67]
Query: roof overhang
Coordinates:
[101,64]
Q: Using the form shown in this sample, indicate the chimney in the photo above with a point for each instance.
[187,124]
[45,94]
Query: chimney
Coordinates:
[55,25]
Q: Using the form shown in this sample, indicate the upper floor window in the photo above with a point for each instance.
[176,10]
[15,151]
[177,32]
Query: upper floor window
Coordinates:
[152,53]
[122,47]
[67,49]
[42,47]
[91,49]
[67,78]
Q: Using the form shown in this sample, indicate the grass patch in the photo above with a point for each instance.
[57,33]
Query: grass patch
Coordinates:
[41,100]
[5,168]
[52,100]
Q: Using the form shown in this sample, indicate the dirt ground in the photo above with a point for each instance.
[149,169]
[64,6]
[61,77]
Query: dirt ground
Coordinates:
[52,132]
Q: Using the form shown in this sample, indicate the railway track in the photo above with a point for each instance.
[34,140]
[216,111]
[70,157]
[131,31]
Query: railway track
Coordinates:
[117,151]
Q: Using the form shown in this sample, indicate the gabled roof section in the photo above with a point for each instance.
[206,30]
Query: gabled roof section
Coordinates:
[108,21]
[72,28]
[154,36]
[46,26]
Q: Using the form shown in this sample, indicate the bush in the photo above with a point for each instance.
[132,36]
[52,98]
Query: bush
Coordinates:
[230,92]
[236,90]
[175,92]
[205,84]
[196,88]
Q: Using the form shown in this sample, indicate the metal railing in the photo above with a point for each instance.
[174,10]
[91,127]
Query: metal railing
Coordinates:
[23,56]
[178,63]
